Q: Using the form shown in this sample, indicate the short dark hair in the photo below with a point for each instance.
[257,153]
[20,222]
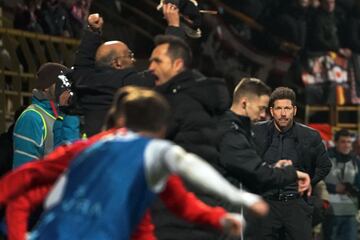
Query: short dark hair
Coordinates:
[178,48]
[250,86]
[282,93]
[342,133]
[142,108]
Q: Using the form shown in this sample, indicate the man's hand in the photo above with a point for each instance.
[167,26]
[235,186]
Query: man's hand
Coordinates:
[260,208]
[303,183]
[233,224]
[64,98]
[283,163]
[95,22]
[346,52]
[171,14]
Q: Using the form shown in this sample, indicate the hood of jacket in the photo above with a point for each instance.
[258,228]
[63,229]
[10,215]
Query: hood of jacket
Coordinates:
[212,93]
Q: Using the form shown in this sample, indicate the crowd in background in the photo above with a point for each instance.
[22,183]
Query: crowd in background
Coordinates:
[197,101]
[53,17]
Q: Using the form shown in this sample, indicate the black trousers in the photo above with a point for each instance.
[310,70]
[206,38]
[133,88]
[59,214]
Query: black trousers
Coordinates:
[287,220]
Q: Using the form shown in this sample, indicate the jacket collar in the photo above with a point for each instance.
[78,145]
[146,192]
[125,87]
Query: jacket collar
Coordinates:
[40,100]
[179,81]
[240,121]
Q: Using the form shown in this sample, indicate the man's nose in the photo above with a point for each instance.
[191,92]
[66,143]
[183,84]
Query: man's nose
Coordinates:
[151,66]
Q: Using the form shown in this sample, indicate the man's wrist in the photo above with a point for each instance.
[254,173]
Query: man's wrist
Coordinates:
[93,29]
[174,24]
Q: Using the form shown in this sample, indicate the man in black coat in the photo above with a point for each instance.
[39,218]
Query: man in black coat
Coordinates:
[101,68]
[283,139]
[195,101]
[238,152]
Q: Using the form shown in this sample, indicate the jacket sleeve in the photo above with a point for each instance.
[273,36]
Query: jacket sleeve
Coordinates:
[19,209]
[185,205]
[145,229]
[243,163]
[322,161]
[175,31]
[66,130]
[85,55]
[28,138]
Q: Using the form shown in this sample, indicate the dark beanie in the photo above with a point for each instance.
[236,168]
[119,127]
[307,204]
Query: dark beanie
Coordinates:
[48,74]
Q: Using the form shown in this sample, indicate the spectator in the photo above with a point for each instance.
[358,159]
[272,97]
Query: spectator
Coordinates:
[291,24]
[343,184]
[148,113]
[238,152]
[100,69]
[55,18]
[283,139]
[354,28]
[33,132]
[26,17]
[314,4]
[79,11]
[324,30]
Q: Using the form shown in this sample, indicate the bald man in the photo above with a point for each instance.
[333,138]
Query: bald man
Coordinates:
[101,68]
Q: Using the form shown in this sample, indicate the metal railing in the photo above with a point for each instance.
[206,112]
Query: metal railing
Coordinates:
[21,53]
[334,116]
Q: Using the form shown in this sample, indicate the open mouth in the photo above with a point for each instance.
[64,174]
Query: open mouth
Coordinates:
[155,78]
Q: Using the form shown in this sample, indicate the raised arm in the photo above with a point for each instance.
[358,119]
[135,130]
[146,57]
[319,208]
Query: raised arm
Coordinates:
[19,209]
[90,41]
[172,15]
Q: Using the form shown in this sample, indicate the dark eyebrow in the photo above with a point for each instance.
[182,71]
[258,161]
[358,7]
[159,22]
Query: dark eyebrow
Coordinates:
[156,59]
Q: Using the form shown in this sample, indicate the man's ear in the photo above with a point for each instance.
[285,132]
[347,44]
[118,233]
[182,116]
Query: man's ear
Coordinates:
[178,64]
[295,110]
[243,102]
[271,111]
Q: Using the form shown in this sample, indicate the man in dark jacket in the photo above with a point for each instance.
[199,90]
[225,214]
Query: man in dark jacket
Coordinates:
[195,101]
[325,30]
[238,153]
[101,68]
[283,139]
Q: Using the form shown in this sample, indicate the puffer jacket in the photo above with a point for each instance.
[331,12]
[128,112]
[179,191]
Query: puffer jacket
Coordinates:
[196,101]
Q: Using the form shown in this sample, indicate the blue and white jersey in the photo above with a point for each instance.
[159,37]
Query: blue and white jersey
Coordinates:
[105,192]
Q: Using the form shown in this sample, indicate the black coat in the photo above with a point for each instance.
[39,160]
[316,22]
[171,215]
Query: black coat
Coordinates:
[95,86]
[239,156]
[311,150]
[195,101]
